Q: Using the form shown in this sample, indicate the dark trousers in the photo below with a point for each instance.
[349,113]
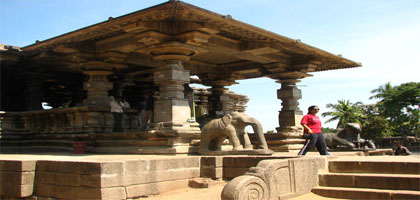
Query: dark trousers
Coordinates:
[117,122]
[318,140]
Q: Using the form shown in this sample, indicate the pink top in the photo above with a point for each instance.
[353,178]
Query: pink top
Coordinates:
[313,122]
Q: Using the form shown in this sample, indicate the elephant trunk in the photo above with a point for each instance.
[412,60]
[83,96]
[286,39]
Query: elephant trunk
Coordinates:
[258,130]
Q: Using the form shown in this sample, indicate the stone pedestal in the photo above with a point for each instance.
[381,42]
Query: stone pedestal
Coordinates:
[97,87]
[172,113]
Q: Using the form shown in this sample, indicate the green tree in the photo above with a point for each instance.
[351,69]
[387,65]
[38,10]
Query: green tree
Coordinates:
[345,112]
[400,105]
[374,125]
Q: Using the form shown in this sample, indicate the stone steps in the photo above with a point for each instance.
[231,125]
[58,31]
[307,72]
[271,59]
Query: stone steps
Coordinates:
[377,178]
[364,193]
[376,181]
[383,167]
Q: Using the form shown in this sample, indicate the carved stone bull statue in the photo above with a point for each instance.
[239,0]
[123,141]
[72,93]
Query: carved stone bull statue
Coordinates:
[348,138]
[233,126]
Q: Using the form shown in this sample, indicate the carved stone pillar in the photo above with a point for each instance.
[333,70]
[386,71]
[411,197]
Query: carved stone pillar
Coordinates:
[216,109]
[97,84]
[97,87]
[289,132]
[290,114]
[172,112]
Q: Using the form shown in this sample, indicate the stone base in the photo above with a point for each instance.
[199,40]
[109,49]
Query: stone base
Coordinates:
[286,148]
[239,152]
[287,139]
[186,129]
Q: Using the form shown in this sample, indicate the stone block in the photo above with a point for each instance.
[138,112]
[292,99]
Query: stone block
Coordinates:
[175,110]
[305,172]
[58,178]
[17,178]
[232,172]
[211,172]
[16,191]
[246,161]
[102,181]
[72,167]
[17,165]
[198,183]
[69,167]
[142,190]
[135,166]
[159,176]
[112,168]
[173,163]
[215,161]
[70,192]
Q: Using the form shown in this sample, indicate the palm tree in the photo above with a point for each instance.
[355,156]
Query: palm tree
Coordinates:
[382,91]
[345,112]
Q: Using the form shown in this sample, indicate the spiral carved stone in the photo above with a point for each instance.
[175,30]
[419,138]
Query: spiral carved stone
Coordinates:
[246,188]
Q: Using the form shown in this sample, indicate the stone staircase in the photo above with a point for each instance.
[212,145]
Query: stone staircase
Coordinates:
[382,177]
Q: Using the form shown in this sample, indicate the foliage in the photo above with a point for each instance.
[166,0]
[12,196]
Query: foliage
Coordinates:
[345,112]
[396,113]
[374,125]
[400,105]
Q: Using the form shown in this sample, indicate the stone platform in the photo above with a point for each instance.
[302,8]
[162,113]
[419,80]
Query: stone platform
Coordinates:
[89,176]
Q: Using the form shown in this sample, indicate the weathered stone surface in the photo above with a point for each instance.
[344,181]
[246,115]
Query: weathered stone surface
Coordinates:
[198,183]
[282,179]
[374,167]
[71,167]
[54,178]
[230,172]
[211,172]
[17,191]
[17,178]
[154,188]
[215,161]
[158,176]
[239,152]
[17,165]
[246,187]
[69,192]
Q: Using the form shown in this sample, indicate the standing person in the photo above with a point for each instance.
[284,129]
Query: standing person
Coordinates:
[312,125]
[401,150]
[148,111]
[117,113]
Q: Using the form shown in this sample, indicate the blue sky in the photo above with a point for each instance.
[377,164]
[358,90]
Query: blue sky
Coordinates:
[384,35]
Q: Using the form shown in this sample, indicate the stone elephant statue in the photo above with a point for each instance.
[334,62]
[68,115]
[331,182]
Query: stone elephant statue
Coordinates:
[233,126]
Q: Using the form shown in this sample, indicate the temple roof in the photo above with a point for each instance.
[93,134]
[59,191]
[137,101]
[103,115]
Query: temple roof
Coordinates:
[212,46]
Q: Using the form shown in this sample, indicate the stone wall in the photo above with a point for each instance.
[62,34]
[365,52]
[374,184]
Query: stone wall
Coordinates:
[95,179]
[52,128]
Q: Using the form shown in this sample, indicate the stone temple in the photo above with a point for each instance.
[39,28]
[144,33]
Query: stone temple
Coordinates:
[160,49]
